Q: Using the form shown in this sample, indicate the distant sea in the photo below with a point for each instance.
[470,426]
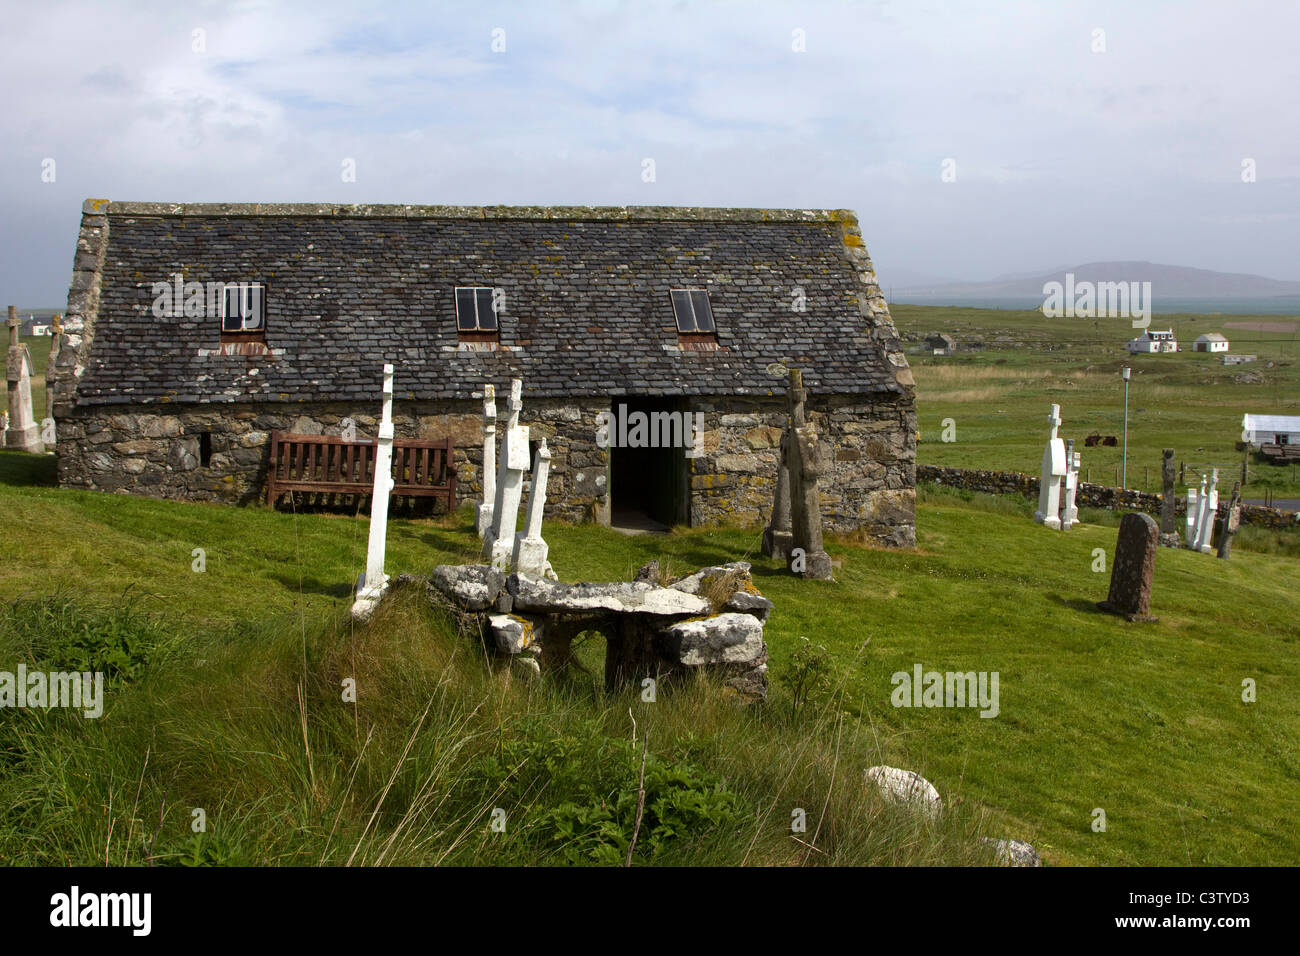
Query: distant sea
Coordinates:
[1279,305]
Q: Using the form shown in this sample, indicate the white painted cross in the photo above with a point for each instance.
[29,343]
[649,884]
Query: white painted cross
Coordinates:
[1053,470]
[498,543]
[530,551]
[1069,510]
[1209,507]
[489,460]
[375,582]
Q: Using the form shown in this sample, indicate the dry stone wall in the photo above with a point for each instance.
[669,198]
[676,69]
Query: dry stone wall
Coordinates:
[1089,495]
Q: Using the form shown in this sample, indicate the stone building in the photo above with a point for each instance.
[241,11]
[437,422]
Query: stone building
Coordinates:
[193,331]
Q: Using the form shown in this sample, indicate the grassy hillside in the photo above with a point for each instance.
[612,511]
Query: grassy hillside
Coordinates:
[998,397]
[227,698]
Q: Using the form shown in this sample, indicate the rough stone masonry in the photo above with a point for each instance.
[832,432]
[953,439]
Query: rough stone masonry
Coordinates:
[167,407]
[710,621]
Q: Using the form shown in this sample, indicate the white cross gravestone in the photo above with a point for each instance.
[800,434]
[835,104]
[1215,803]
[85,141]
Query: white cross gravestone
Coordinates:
[498,543]
[1069,510]
[489,460]
[375,582]
[1209,507]
[530,550]
[1193,513]
[22,432]
[1054,469]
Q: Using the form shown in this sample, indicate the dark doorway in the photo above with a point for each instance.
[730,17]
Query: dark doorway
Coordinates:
[648,480]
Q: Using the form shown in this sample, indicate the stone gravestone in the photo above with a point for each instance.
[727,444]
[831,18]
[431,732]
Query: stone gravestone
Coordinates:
[1070,510]
[806,465]
[375,581]
[530,551]
[1205,523]
[1130,572]
[1168,502]
[23,433]
[499,542]
[1054,469]
[1231,522]
[484,511]
[778,538]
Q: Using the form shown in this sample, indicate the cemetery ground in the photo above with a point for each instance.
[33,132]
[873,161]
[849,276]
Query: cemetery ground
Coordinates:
[998,397]
[225,685]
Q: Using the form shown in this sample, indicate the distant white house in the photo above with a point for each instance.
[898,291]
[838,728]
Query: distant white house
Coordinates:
[1153,341]
[1271,429]
[1210,342]
[941,344]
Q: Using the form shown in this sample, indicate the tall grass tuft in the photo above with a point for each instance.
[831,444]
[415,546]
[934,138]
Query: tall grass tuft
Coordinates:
[242,747]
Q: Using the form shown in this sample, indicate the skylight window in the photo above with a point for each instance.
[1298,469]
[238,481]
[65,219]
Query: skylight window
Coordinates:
[693,313]
[243,308]
[474,309]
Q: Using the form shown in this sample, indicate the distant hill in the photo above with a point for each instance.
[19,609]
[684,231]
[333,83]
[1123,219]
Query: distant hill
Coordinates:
[1167,282]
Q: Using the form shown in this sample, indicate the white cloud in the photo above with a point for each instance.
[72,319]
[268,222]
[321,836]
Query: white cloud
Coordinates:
[1063,154]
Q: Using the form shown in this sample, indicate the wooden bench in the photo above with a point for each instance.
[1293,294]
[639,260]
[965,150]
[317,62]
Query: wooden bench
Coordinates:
[326,465]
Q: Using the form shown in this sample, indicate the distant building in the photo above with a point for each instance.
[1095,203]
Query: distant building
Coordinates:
[1210,342]
[1270,429]
[1237,359]
[940,343]
[1152,341]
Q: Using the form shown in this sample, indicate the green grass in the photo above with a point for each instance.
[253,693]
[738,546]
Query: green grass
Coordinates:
[998,398]
[235,706]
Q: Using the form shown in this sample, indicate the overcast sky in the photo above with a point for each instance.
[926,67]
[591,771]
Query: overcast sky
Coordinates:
[1062,155]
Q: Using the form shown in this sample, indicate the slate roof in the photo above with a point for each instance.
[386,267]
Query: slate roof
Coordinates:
[588,311]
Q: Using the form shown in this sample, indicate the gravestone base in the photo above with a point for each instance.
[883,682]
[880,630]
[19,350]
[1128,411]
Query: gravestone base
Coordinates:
[777,544]
[24,439]
[1132,618]
[367,600]
[1171,540]
[817,566]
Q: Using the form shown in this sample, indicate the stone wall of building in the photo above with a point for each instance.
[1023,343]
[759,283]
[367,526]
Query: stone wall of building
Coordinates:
[871,484]
[1092,496]
[157,451]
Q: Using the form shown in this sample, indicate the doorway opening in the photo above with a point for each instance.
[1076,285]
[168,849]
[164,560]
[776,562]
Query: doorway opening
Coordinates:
[648,479]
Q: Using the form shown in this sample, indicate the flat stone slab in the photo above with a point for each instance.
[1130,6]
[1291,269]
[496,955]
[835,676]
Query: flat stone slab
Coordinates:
[744,599]
[721,639]
[474,587]
[692,583]
[621,597]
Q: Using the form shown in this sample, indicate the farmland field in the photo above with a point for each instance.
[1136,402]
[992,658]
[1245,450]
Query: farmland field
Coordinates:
[998,397]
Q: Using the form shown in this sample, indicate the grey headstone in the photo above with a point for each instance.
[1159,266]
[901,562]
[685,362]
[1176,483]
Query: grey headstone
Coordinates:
[1131,570]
